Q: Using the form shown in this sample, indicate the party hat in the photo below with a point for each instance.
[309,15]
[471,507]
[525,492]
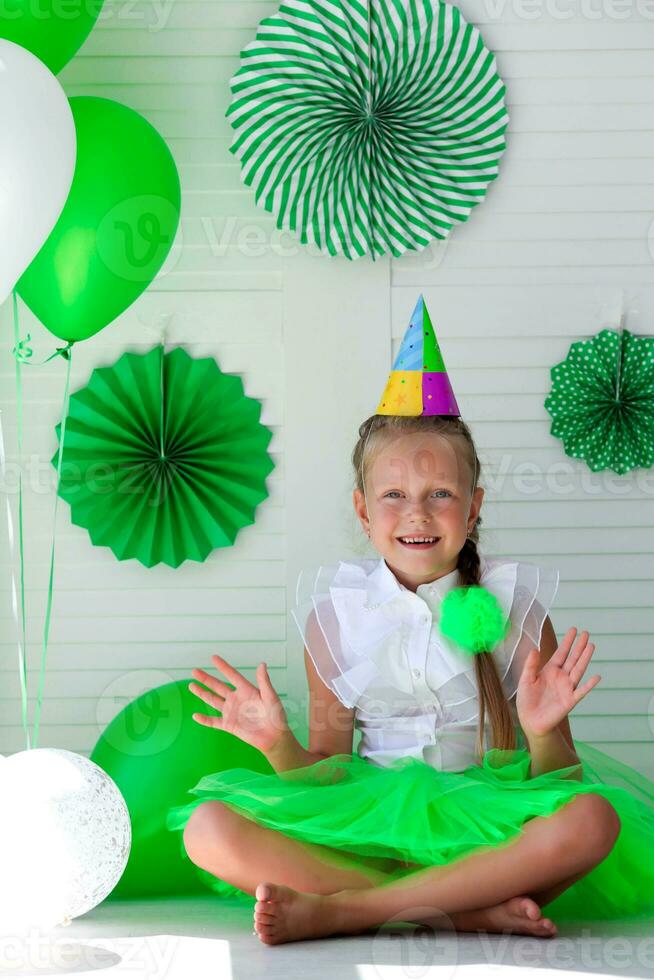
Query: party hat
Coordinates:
[418,383]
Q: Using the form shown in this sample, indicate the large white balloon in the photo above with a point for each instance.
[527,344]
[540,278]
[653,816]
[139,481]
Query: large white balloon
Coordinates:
[65,837]
[37,158]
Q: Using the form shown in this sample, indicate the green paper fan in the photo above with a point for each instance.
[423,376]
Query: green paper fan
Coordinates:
[602,401]
[368,127]
[164,457]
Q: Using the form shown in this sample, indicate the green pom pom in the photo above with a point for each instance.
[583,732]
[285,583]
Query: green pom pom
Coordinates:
[473,618]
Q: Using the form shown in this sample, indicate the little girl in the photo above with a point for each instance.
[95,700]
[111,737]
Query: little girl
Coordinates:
[468,805]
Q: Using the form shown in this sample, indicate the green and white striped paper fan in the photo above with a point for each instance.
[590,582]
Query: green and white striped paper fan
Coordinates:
[367,128]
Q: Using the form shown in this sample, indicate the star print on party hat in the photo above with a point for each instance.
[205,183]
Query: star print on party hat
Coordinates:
[418,383]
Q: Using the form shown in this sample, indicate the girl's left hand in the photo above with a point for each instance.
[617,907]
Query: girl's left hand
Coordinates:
[545,697]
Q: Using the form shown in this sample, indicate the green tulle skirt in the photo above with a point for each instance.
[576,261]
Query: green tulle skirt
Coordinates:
[414,814]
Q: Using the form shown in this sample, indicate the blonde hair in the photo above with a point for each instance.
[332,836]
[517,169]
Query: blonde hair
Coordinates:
[372,433]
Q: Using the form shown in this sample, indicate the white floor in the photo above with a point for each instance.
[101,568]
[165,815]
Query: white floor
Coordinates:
[201,937]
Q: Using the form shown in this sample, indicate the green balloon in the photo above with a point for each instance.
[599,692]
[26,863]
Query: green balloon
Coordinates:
[46,30]
[116,227]
[156,753]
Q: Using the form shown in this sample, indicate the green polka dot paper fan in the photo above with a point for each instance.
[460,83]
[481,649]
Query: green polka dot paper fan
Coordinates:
[164,458]
[602,401]
[368,127]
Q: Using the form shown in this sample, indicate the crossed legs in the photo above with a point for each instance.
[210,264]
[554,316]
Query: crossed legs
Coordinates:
[542,861]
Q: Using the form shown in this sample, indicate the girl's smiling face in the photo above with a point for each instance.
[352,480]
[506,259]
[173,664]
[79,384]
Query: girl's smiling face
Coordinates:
[418,485]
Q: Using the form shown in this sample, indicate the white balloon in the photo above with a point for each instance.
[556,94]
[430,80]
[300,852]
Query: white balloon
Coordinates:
[65,837]
[37,158]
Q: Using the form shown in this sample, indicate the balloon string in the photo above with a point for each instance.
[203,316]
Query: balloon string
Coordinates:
[22,351]
[66,353]
[21,631]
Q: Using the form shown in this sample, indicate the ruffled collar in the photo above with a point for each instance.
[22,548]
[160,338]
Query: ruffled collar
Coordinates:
[382,586]
[375,633]
[377,617]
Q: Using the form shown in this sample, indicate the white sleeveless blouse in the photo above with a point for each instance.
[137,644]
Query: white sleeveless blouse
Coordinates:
[377,646]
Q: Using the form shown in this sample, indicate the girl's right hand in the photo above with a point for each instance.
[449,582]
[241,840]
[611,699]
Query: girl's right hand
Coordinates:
[254,714]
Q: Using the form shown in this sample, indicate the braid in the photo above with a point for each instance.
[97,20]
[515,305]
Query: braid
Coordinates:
[489,685]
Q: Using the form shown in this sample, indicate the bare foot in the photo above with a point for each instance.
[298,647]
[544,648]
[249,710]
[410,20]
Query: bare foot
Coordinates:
[283,915]
[520,915]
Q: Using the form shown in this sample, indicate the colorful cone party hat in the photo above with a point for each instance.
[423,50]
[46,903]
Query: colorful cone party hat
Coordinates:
[418,383]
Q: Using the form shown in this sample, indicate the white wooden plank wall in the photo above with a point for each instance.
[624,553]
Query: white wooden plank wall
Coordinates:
[539,265]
